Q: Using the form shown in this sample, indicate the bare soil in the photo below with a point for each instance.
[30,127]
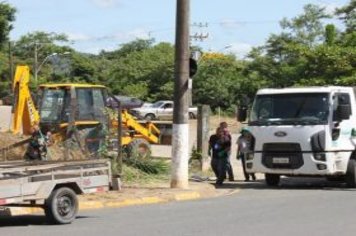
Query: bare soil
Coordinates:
[55,152]
[11,154]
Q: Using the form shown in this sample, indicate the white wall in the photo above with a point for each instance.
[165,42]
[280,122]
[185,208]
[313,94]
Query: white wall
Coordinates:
[5,118]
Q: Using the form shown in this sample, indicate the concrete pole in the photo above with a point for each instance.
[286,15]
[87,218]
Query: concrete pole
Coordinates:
[180,142]
[203,136]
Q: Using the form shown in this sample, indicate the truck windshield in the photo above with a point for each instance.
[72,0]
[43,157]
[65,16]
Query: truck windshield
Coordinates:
[290,109]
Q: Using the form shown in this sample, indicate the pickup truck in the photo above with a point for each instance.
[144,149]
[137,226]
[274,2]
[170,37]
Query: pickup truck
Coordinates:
[160,110]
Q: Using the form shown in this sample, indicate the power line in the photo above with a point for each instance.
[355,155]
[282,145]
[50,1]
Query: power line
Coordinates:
[197,36]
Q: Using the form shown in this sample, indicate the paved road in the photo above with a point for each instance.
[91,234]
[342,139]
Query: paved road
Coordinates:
[315,208]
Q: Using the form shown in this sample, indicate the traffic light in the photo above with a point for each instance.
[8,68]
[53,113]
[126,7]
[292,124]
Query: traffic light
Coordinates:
[193,67]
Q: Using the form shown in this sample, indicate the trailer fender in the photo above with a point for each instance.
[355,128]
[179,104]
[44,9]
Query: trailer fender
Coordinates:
[72,185]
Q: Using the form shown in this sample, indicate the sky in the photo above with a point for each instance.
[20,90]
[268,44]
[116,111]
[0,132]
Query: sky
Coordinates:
[231,26]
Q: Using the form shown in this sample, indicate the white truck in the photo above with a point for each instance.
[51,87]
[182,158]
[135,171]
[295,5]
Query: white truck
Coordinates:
[160,110]
[303,132]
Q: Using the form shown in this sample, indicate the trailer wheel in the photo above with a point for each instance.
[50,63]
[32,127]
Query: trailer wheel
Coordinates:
[139,147]
[351,174]
[272,179]
[61,207]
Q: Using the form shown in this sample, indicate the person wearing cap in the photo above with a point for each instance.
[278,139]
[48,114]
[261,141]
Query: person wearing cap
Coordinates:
[244,146]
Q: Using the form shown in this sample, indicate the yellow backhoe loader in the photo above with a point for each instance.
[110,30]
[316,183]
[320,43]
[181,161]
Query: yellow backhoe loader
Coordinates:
[77,111]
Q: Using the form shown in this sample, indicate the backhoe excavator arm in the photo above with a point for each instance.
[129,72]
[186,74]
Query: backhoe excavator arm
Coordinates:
[25,114]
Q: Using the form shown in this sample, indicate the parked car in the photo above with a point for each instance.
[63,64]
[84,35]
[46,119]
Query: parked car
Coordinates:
[126,102]
[160,110]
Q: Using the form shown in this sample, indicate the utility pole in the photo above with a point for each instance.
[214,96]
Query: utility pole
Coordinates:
[180,142]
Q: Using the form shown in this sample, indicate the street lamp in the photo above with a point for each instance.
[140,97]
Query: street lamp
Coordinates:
[38,68]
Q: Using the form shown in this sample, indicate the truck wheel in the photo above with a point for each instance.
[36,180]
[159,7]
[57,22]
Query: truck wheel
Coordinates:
[351,174]
[338,178]
[139,148]
[191,115]
[272,179]
[61,207]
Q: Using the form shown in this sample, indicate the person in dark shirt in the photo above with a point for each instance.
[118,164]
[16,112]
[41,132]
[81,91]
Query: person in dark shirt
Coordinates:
[227,135]
[219,147]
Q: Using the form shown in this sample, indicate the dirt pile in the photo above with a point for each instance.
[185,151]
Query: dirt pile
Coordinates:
[9,153]
[57,151]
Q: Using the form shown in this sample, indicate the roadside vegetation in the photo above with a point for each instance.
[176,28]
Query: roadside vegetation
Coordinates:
[312,49]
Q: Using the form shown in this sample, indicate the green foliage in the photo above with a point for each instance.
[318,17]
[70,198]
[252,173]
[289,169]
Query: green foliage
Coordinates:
[151,68]
[195,155]
[330,34]
[348,15]
[218,82]
[148,165]
[307,52]
[128,48]
[306,28]
[5,82]
[7,16]
[133,176]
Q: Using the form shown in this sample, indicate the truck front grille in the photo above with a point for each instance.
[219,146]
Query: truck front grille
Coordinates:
[282,155]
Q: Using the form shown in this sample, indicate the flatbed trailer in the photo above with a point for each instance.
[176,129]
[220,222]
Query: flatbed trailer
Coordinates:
[52,185]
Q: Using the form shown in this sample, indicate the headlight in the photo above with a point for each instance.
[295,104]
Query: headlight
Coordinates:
[320,156]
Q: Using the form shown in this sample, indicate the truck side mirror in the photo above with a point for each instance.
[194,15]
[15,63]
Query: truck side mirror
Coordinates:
[241,114]
[343,112]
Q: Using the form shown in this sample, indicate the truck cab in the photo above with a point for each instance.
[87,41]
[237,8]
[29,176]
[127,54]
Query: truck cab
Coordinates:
[303,132]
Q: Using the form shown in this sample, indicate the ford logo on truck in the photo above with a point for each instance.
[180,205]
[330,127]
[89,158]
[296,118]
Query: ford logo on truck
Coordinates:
[280,134]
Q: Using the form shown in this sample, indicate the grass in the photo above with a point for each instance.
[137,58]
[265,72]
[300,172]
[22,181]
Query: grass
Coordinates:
[136,177]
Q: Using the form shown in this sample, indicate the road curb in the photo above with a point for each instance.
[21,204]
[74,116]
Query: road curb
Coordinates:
[98,204]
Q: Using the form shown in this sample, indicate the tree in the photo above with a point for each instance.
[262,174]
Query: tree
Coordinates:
[348,15]
[330,34]
[7,16]
[151,69]
[218,81]
[306,28]
[134,46]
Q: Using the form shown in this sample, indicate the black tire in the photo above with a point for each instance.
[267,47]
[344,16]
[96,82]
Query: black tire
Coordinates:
[338,178]
[150,116]
[139,148]
[191,115]
[61,207]
[351,174]
[272,179]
